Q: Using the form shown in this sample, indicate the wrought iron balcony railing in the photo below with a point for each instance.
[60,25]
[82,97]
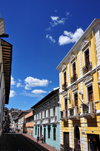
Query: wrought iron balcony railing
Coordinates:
[74,78]
[87,67]
[64,86]
[88,110]
[73,112]
[63,114]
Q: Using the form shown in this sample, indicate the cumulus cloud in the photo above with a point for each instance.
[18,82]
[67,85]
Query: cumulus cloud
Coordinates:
[70,37]
[12,81]
[50,38]
[36,91]
[34,82]
[19,85]
[12,93]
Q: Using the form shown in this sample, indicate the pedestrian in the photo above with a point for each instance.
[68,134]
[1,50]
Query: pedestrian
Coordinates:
[42,139]
[37,138]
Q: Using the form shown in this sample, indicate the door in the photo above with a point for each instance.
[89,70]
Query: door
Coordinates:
[44,134]
[40,131]
[93,142]
[66,142]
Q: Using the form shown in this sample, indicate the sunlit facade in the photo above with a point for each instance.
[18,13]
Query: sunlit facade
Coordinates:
[79,80]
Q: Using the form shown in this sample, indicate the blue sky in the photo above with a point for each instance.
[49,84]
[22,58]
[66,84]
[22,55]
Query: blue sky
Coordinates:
[42,32]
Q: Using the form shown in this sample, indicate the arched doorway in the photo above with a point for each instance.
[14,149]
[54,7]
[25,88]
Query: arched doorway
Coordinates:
[77,138]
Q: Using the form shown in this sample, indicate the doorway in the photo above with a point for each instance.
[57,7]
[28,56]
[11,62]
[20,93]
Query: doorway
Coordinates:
[77,138]
[45,135]
[93,142]
[66,141]
[40,131]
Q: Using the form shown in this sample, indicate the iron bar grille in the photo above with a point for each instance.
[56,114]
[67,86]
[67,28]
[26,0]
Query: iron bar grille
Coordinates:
[87,67]
[74,78]
[64,86]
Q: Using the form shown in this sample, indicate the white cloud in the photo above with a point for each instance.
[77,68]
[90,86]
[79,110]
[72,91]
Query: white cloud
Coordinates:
[50,82]
[30,94]
[19,80]
[19,85]
[56,21]
[12,81]
[12,93]
[34,82]
[36,91]
[70,37]
[54,18]
[50,38]
[67,13]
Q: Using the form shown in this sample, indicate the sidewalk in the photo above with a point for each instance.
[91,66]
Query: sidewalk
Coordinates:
[39,145]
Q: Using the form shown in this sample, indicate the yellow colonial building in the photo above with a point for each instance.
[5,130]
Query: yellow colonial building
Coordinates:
[79,79]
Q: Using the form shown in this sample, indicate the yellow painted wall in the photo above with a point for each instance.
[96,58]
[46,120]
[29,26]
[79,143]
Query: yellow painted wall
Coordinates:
[96,91]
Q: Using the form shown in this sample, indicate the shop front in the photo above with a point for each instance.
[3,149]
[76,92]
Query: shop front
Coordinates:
[93,142]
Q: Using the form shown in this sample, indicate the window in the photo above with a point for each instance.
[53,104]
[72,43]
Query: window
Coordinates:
[87,57]
[64,84]
[64,77]
[41,115]
[45,114]
[48,131]
[54,133]
[35,130]
[90,93]
[74,68]
[54,111]
[88,64]
[74,77]
[66,106]
[75,99]
[49,112]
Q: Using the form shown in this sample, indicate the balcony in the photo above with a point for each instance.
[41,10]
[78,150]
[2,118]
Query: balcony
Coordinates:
[64,86]
[88,110]
[35,122]
[73,113]
[53,119]
[87,67]
[74,78]
[63,115]
[38,121]
[45,121]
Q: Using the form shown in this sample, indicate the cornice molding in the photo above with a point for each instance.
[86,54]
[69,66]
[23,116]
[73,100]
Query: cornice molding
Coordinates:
[85,35]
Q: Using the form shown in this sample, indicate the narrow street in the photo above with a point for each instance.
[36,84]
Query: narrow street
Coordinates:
[16,142]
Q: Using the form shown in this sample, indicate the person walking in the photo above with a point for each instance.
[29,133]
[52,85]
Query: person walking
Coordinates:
[37,138]
[42,139]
